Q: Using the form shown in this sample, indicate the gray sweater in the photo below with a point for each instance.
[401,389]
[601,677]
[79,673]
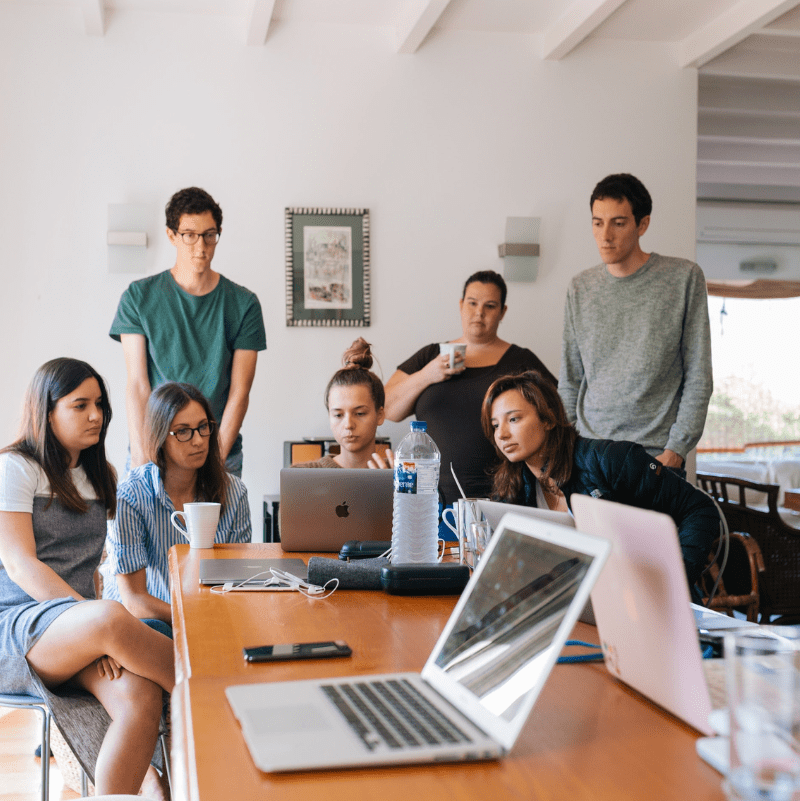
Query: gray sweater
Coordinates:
[636,355]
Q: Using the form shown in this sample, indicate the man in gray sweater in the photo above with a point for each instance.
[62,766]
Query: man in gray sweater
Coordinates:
[636,355]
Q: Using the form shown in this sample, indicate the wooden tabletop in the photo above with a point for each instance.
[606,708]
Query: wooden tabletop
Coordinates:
[791,499]
[589,737]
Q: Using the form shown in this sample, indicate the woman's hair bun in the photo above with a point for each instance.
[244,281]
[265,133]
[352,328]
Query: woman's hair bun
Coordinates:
[358,356]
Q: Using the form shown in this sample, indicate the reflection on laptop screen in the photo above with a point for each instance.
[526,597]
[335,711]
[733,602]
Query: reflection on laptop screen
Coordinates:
[498,647]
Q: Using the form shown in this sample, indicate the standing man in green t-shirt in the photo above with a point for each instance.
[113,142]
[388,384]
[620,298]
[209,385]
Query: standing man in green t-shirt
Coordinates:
[191,324]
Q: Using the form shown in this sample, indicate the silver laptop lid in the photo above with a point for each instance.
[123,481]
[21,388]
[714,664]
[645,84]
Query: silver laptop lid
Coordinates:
[322,508]
[494,510]
[512,621]
[219,571]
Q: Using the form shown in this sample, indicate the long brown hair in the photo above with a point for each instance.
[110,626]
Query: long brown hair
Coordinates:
[559,444]
[357,360]
[51,382]
[164,403]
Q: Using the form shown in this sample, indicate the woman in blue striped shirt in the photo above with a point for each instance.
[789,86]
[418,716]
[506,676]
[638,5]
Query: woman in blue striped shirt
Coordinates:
[182,442]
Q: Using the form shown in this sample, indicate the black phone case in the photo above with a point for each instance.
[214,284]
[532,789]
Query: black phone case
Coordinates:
[297,653]
[366,549]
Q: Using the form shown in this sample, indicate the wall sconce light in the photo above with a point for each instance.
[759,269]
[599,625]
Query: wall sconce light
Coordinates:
[520,251]
[131,226]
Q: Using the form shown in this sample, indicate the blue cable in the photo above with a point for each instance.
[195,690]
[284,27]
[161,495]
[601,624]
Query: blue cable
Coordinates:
[564,660]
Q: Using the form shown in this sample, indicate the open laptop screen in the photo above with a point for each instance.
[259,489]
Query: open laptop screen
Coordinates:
[498,647]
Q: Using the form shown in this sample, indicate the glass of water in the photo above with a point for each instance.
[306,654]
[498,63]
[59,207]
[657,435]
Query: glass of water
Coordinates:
[762,671]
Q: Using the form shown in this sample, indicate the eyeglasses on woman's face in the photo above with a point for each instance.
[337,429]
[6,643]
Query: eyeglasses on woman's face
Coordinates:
[184,433]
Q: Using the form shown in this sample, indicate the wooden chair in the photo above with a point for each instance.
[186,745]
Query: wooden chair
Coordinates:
[738,587]
[779,583]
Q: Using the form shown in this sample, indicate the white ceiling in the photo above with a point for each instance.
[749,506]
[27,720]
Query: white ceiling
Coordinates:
[747,52]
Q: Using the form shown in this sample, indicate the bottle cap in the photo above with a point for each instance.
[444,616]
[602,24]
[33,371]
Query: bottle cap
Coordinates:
[419,425]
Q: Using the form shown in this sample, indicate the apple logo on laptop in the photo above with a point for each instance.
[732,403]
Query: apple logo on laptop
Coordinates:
[341,510]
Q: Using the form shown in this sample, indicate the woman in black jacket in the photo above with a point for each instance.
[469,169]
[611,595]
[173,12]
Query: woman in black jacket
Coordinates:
[544,462]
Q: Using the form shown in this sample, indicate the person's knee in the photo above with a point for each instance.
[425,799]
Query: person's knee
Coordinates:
[135,698]
[110,619]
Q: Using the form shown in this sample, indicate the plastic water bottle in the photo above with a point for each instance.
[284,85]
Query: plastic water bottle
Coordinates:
[415,530]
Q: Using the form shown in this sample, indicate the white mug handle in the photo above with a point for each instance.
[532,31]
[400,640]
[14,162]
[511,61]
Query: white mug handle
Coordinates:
[452,526]
[174,523]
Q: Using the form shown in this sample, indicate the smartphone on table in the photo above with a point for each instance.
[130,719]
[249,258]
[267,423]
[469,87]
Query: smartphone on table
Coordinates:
[297,650]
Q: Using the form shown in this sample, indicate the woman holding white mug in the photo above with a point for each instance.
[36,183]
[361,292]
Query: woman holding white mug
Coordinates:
[182,443]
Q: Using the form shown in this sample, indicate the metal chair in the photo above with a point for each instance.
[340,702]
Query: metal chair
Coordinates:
[37,703]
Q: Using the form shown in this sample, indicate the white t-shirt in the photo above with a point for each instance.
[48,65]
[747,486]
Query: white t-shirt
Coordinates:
[22,480]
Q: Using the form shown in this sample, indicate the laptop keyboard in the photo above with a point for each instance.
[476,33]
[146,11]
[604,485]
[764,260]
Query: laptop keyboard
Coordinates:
[392,713]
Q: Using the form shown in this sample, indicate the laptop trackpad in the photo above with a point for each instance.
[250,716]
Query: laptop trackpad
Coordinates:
[282,720]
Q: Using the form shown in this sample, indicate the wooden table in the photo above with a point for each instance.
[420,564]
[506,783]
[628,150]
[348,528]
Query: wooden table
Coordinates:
[589,736]
[791,499]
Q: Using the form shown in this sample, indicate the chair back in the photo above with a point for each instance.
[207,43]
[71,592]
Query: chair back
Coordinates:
[779,584]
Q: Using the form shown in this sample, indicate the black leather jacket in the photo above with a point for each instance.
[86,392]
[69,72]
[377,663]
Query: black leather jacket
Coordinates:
[624,472]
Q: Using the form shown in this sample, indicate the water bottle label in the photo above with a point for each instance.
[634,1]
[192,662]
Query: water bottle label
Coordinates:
[416,479]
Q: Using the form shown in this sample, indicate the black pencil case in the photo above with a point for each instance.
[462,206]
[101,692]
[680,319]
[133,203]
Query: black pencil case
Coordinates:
[439,579]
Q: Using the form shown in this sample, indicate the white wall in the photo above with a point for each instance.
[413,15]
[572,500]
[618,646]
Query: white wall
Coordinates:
[441,147]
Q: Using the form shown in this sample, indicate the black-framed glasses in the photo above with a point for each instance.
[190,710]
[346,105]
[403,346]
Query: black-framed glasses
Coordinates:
[184,434]
[190,237]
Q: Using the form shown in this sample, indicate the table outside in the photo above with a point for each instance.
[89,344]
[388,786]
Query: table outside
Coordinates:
[791,499]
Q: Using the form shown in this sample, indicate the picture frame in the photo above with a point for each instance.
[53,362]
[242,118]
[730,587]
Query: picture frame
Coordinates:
[327,267]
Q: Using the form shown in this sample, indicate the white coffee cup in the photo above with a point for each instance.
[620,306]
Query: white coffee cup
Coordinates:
[201,521]
[451,348]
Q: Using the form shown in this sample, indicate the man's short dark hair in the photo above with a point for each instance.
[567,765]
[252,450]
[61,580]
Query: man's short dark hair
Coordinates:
[487,277]
[192,201]
[624,186]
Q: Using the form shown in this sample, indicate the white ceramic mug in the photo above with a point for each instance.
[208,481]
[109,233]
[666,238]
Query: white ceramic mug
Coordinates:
[451,348]
[201,521]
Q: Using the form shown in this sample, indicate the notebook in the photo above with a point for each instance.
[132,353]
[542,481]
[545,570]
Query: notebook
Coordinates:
[493,511]
[478,686]
[222,571]
[643,609]
[322,508]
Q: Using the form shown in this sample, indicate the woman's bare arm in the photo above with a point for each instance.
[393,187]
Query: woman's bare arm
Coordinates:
[138,601]
[18,555]
[402,389]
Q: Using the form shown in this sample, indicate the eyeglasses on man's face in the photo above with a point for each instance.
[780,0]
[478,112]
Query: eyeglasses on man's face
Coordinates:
[184,434]
[190,237]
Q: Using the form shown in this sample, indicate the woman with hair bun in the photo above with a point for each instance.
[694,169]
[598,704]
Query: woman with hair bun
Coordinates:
[354,399]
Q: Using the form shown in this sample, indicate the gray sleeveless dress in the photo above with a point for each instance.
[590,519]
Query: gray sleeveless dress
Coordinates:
[72,545]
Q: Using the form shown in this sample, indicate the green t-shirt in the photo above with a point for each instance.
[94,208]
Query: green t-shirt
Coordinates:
[191,338]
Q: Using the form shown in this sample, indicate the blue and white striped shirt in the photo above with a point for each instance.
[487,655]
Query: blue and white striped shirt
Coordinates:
[142,534]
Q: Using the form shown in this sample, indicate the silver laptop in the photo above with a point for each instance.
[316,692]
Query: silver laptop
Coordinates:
[643,608]
[256,572]
[493,511]
[478,686]
[322,508]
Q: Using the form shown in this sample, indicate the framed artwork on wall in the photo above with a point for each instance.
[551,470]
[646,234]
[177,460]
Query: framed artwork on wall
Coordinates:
[327,267]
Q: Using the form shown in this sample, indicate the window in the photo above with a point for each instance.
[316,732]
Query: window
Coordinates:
[754,350]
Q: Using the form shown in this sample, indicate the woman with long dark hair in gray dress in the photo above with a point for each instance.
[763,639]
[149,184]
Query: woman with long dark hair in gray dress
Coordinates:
[56,492]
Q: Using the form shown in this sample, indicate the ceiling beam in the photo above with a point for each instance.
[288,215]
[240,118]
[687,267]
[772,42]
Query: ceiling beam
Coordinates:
[574,25]
[94,17]
[417,22]
[259,22]
[730,28]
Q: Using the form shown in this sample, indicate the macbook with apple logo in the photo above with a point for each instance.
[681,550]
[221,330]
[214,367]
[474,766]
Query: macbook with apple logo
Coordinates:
[322,509]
